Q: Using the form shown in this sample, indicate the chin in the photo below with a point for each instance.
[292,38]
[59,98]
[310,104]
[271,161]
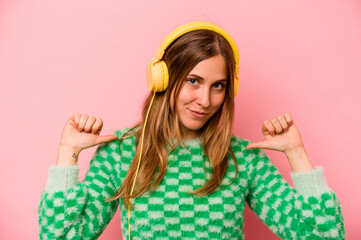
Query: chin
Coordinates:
[194,127]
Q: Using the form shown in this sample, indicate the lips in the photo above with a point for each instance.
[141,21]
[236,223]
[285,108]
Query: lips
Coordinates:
[198,114]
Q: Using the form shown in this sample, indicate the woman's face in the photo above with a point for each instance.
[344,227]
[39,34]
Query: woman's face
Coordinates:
[201,94]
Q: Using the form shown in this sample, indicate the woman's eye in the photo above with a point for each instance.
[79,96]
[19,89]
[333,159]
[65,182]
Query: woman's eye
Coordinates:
[218,86]
[192,81]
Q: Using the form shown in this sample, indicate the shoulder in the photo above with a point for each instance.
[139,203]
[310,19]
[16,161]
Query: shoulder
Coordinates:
[238,141]
[121,132]
[239,144]
[126,138]
[113,146]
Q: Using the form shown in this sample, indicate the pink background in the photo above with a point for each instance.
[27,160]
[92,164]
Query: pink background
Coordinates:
[62,57]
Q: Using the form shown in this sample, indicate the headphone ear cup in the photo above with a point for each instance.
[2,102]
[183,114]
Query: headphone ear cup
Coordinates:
[157,76]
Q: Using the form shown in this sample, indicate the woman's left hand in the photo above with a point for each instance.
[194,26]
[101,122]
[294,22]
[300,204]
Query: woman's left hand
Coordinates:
[281,134]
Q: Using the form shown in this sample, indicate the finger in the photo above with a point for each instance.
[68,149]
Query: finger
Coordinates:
[100,129]
[267,126]
[288,118]
[276,125]
[82,121]
[72,119]
[251,146]
[77,118]
[283,122]
[107,138]
[97,125]
[263,144]
[89,124]
[71,122]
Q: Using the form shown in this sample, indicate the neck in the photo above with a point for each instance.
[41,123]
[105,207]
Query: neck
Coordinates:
[188,134]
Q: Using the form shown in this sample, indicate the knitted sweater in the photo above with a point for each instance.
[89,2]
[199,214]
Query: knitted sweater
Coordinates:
[76,210]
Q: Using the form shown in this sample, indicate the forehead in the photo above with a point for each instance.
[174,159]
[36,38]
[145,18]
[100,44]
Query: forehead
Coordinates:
[214,69]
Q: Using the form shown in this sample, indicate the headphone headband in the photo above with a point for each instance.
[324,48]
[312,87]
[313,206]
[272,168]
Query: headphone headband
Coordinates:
[189,27]
[159,73]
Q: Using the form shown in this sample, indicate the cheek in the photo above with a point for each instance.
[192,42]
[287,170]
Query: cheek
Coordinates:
[218,101]
[185,96]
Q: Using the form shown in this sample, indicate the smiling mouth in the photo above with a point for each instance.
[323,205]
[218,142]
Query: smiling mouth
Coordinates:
[198,114]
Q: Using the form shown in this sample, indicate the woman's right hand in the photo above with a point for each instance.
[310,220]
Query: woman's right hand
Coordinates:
[80,132]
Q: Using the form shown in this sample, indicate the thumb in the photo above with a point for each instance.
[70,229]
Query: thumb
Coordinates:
[262,144]
[106,138]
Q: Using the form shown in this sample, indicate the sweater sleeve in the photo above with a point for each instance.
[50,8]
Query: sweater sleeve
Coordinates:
[78,210]
[311,210]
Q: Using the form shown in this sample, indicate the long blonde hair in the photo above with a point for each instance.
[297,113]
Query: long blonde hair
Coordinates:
[181,57]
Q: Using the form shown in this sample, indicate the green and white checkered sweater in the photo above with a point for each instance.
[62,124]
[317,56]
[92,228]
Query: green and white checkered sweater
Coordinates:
[69,209]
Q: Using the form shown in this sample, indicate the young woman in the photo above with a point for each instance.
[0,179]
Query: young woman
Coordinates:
[180,173]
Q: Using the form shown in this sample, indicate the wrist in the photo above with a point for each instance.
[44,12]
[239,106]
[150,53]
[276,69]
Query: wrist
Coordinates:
[295,151]
[69,148]
[67,155]
[299,160]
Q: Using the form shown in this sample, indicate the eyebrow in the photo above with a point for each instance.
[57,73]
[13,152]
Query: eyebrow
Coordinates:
[195,75]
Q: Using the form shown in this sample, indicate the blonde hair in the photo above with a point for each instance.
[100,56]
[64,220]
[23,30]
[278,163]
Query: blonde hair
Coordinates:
[181,57]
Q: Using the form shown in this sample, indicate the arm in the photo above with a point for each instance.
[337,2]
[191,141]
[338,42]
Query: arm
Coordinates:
[73,210]
[311,211]
[299,160]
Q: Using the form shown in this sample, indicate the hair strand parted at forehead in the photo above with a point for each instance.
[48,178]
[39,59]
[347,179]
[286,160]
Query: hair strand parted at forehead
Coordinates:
[181,57]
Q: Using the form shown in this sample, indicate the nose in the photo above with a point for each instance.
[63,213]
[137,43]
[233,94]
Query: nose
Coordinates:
[204,97]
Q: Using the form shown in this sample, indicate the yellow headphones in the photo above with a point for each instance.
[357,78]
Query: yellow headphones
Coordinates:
[158,77]
[157,70]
